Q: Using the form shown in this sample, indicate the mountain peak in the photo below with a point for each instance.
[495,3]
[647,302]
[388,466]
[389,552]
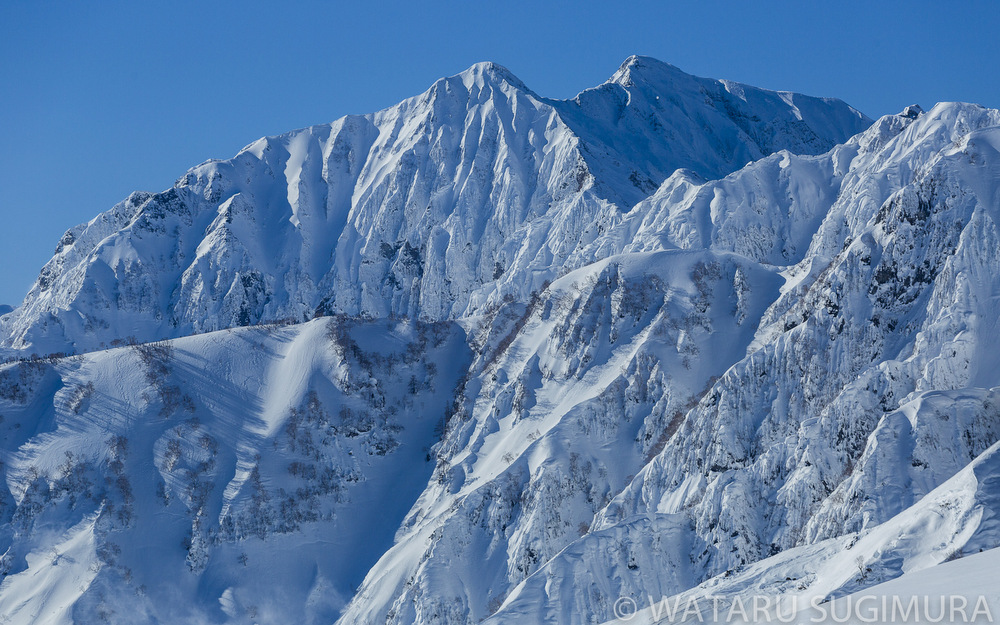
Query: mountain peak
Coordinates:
[639,66]
[490,72]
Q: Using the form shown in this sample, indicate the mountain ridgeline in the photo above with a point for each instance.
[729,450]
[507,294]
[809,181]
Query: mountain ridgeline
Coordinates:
[486,356]
[431,209]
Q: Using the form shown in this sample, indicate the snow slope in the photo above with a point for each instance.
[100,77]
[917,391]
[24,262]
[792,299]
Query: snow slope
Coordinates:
[176,482]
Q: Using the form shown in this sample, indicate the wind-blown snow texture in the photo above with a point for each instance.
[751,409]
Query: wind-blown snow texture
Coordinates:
[674,336]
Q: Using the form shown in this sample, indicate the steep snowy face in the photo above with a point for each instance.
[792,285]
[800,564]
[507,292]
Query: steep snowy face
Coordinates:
[868,385]
[571,395]
[475,190]
[651,119]
[404,212]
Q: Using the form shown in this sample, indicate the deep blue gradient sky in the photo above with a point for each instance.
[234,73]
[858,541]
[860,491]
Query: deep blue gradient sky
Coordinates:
[100,99]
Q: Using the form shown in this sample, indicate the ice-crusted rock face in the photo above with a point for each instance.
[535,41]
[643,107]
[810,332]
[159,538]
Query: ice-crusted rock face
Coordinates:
[475,190]
[570,351]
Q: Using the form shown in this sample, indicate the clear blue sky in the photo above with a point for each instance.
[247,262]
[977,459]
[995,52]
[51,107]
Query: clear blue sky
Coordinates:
[103,98]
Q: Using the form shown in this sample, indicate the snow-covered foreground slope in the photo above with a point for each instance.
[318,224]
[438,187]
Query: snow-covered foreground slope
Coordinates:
[242,476]
[633,378]
[476,189]
[944,546]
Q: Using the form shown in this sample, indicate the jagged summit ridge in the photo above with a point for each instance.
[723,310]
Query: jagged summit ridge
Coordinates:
[476,190]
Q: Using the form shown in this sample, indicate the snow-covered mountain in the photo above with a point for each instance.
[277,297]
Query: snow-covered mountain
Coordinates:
[435,208]
[673,338]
